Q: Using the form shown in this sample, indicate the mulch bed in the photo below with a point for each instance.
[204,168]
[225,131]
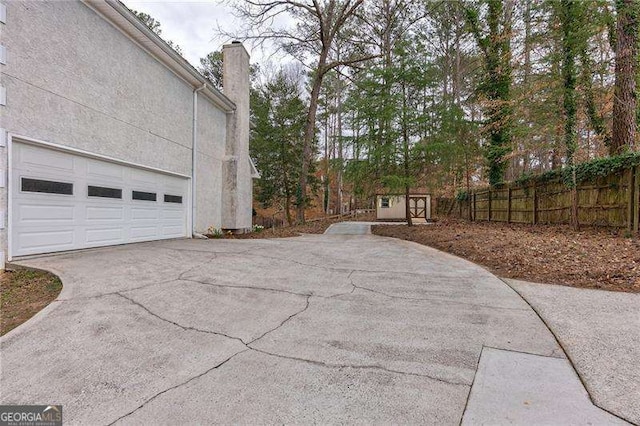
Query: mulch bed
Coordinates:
[24,293]
[588,258]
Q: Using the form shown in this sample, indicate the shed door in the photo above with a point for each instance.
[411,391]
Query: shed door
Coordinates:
[418,207]
[63,201]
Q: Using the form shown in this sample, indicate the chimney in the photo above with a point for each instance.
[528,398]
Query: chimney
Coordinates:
[237,185]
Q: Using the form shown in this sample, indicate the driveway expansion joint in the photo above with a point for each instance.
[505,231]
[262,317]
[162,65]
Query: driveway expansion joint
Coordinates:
[585,385]
[359,367]
[197,376]
[185,328]
[273,290]
[432,299]
[117,292]
[290,317]
[215,255]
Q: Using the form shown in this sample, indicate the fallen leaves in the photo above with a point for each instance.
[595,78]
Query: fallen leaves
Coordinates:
[589,258]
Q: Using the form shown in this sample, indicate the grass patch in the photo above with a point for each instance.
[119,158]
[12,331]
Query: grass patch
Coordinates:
[23,293]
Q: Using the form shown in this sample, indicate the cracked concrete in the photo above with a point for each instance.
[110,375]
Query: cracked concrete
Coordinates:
[316,329]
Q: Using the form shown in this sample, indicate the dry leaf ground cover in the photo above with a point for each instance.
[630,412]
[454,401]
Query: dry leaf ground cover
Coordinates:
[23,293]
[589,258]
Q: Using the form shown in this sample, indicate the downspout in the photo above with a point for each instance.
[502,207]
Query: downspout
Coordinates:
[194,151]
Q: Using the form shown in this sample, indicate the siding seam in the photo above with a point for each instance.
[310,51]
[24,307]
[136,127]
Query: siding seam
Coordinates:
[97,111]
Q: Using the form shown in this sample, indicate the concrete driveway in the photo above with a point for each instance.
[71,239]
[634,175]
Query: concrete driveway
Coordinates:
[315,329]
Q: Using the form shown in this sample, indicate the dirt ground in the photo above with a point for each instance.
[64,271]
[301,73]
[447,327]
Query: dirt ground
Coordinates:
[589,258]
[23,293]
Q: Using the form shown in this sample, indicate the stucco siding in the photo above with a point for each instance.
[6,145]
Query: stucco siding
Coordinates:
[211,146]
[74,79]
[237,199]
[211,129]
[78,81]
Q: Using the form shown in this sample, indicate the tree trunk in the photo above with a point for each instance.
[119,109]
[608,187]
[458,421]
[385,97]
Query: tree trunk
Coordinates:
[405,146]
[407,206]
[624,103]
[309,135]
[496,47]
[339,143]
[570,25]
[325,182]
[287,209]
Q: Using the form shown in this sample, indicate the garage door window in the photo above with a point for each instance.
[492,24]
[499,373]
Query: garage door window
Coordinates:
[172,199]
[144,196]
[101,191]
[46,186]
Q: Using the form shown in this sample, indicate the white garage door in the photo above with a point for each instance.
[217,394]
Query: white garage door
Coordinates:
[63,201]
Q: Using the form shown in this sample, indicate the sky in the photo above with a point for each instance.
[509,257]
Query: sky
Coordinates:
[194,24]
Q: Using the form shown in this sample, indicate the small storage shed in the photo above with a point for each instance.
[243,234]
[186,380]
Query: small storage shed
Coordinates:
[392,207]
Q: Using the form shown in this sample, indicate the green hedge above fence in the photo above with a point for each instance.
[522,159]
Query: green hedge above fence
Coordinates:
[585,172]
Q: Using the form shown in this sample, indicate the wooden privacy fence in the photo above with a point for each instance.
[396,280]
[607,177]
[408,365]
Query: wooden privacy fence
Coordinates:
[611,201]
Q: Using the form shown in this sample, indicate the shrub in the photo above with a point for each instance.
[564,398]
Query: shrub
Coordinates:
[214,232]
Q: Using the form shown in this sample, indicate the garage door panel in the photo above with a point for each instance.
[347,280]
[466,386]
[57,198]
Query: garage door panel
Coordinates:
[141,213]
[59,186]
[100,169]
[43,221]
[39,213]
[104,213]
[147,179]
[172,214]
[33,158]
[105,236]
[144,232]
[39,240]
[172,231]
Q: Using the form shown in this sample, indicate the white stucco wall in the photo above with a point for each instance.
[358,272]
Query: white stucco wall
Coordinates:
[74,79]
[211,151]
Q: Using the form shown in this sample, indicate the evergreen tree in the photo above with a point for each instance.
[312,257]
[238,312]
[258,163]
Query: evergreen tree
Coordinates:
[277,140]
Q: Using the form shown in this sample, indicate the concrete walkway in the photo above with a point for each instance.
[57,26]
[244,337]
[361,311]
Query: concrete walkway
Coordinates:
[600,330]
[315,329]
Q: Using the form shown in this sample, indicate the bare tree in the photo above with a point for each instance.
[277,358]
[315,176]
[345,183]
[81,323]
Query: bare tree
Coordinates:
[311,40]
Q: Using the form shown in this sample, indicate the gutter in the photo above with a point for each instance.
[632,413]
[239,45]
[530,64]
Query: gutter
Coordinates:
[194,162]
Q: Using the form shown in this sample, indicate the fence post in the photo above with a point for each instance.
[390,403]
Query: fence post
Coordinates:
[631,219]
[535,204]
[636,207]
[474,206]
[509,205]
[489,203]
